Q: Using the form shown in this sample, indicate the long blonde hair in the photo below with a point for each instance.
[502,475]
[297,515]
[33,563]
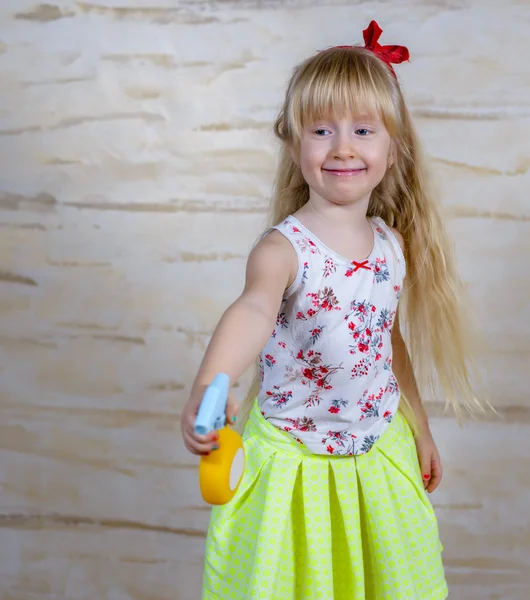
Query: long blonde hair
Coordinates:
[352,81]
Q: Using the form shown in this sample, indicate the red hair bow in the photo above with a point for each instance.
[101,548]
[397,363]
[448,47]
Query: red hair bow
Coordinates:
[389,54]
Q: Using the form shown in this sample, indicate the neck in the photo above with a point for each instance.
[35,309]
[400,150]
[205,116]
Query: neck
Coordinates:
[340,216]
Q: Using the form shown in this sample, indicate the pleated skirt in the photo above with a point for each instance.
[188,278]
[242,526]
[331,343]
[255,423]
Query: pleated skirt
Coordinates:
[309,527]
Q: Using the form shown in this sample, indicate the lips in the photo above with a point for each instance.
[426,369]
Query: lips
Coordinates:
[345,172]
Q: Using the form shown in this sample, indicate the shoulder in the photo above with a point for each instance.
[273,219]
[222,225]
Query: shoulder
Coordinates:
[275,243]
[379,221]
[273,257]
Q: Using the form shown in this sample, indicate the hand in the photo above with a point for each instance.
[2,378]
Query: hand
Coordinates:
[430,463]
[203,444]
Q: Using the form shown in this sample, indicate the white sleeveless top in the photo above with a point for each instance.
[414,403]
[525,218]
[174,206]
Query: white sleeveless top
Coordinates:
[326,371]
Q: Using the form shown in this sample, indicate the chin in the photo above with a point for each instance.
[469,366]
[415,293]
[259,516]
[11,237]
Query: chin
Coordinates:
[344,201]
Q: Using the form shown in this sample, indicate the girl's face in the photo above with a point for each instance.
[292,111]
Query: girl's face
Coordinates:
[343,160]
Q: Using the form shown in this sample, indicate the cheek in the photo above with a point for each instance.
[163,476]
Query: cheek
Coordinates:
[310,159]
[379,159]
[315,150]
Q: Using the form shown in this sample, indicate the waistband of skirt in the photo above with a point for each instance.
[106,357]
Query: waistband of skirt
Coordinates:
[257,425]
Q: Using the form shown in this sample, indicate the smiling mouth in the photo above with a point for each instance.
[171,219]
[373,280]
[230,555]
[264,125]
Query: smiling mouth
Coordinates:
[345,172]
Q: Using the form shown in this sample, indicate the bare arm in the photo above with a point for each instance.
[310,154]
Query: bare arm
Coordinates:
[428,455]
[402,367]
[245,326]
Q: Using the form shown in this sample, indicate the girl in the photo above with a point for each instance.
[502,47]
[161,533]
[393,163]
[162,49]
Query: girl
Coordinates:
[339,452]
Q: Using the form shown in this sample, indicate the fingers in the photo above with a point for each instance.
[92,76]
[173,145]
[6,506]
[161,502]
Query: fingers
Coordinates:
[436,475]
[198,444]
[425,466]
[232,408]
[431,471]
[204,444]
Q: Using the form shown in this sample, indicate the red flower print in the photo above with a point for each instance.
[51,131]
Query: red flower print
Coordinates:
[341,439]
[314,374]
[381,272]
[337,404]
[303,424]
[296,230]
[329,267]
[270,361]
[324,300]
[370,407]
[279,398]
[304,243]
[315,333]
[281,320]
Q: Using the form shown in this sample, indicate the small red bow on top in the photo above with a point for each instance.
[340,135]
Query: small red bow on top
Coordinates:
[389,54]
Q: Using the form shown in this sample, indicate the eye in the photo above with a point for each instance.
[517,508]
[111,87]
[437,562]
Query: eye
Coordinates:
[321,132]
[362,131]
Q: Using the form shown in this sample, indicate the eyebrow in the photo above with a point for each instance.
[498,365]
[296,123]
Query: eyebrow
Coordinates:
[362,117]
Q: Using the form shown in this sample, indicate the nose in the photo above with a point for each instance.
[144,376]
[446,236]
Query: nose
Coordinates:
[344,148]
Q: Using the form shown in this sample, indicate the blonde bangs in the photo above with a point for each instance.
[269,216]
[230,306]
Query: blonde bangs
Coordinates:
[340,82]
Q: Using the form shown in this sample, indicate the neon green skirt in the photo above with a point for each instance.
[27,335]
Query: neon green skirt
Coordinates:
[310,527]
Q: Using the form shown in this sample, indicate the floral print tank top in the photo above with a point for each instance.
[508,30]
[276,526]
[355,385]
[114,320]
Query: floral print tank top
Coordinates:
[326,371]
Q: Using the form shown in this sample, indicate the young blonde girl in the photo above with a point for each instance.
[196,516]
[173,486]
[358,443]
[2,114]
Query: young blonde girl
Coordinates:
[333,502]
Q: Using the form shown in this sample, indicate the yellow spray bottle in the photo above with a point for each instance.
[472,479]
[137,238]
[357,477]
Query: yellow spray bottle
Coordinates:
[221,471]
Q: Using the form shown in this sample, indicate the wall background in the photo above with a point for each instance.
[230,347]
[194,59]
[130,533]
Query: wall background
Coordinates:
[136,159]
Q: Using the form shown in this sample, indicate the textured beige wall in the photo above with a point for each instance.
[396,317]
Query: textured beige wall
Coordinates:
[135,167]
